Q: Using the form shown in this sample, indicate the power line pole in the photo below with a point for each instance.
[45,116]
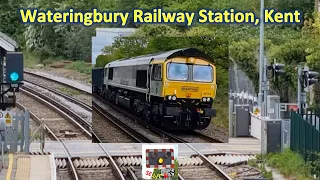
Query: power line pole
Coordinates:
[261,56]
[266,87]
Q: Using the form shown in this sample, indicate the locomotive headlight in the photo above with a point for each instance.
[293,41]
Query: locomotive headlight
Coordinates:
[208,99]
[174,98]
[169,97]
[204,99]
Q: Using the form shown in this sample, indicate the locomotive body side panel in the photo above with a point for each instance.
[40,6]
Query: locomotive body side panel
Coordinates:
[128,77]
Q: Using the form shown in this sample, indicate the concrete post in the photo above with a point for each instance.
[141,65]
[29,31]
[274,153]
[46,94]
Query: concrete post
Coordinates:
[299,89]
[22,140]
[26,131]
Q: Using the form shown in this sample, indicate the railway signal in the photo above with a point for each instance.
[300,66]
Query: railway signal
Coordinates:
[309,77]
[13,79]
[306,78]
[14,67]
[276,68]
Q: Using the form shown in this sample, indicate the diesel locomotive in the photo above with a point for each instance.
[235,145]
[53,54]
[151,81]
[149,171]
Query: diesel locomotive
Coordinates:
[173,89]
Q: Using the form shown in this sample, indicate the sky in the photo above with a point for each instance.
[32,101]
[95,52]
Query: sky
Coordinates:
[105,37]
[98,43]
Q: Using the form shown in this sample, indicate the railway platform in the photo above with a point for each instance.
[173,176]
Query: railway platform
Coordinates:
[20,166]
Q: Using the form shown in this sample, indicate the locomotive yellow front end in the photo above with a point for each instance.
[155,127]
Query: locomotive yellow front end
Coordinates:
[189,88]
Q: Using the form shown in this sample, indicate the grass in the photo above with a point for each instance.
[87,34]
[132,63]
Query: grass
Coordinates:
[266,174]
[80,66]
[222,108]
[290,164]
[68,91]
[221,104]
[30,60]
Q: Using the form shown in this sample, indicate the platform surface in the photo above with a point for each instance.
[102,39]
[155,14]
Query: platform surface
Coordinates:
[240,145]
[28,167]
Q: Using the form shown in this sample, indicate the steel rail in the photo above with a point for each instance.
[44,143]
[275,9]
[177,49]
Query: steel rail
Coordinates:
[48,102]
[207,138]
[56,81]
[215,167]
[113,163]
[74,100]
[89,126]
[124,127]
[157,130]
[82,121]
[154,129]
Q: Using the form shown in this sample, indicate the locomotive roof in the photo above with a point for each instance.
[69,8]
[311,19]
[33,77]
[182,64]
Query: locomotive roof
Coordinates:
[145,59]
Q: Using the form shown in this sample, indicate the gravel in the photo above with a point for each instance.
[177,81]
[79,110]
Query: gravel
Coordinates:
[241,171]
[108,131]
[135,125]
[83,97]
[215,132]
[192,138]
[63,174]
[87,174]
[77,79]
[198,172]
[87,115]
[105,174]
[51,118]
[138,171]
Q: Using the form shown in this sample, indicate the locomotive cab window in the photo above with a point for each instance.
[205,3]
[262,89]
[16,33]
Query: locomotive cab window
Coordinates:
[110,75]
[156,72]
[202,73]
[178,71]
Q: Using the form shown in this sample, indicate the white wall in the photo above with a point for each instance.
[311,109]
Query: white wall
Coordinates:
[255,126]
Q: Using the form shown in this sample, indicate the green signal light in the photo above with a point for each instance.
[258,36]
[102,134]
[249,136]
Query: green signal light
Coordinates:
[14,76]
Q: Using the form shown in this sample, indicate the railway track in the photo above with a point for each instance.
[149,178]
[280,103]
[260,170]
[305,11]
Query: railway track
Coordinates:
[207,170]
[81,122]
[81,96]
[70,98]
[114,125]
[56,81]
[125,124]
[72,171]
[193,136]
[63,125]
[71,117]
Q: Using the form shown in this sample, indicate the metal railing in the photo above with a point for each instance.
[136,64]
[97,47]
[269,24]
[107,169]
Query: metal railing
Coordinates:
[305,135]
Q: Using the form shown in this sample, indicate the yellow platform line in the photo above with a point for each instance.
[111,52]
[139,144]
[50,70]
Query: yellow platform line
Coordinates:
[9,167]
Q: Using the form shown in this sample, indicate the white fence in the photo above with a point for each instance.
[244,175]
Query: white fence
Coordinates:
[255,129]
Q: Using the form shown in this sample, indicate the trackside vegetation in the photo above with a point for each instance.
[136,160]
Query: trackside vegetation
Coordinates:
[290,164]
